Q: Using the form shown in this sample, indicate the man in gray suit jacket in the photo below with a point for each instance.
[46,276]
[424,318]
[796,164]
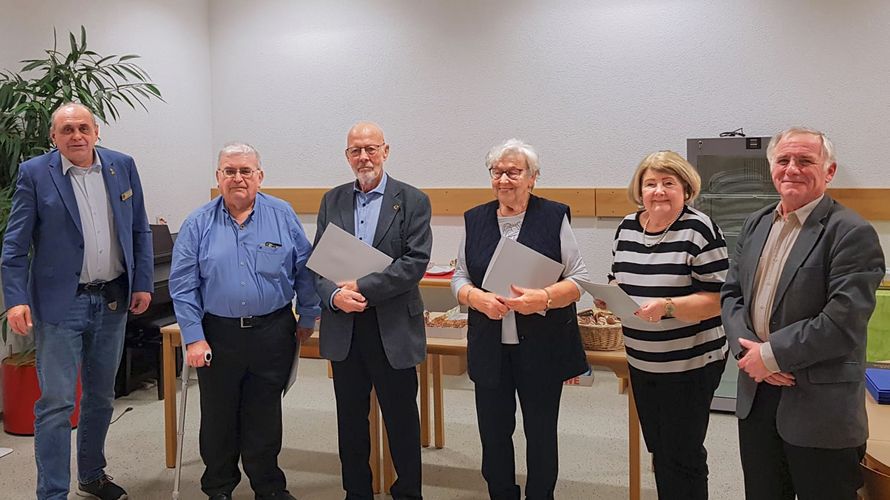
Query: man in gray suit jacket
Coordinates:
[796,304]
[372,329]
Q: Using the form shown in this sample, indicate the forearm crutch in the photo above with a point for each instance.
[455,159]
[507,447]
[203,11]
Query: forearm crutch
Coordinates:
[180,430]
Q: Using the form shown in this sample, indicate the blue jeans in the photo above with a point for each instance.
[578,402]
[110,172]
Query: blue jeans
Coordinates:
[91,340]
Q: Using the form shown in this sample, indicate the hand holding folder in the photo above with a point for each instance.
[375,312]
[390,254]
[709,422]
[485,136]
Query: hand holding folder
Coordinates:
[623,306]
[515,267]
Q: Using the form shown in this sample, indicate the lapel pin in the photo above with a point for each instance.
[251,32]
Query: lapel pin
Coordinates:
[396,207]
[111,169]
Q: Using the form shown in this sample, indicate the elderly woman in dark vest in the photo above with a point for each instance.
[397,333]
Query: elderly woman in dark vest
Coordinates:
[527,344]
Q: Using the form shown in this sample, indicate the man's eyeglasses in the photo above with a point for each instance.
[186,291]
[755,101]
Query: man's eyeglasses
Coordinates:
[372,150]
[246,173]
[512,174]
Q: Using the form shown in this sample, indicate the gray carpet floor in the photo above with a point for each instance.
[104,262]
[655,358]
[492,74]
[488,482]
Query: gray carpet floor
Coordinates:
[593,447]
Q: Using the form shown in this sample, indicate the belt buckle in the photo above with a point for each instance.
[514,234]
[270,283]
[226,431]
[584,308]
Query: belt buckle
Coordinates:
[246,321]
[93,286]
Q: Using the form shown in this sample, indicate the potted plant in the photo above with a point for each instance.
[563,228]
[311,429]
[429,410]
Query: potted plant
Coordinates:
[28,99]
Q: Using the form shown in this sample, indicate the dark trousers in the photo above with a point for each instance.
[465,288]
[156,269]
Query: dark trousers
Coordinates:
[241,401]
[777,470]
[365,366]
[496,413]
[674,411]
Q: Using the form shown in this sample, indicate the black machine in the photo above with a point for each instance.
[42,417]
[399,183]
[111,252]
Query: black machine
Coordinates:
[141,359]
[736,181]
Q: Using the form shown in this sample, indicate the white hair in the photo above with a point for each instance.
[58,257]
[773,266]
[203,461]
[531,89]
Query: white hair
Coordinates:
[243,148]
[827,146]
[514,146]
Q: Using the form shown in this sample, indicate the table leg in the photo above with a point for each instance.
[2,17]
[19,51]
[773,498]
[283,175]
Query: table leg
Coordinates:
[424,403]
[169,357]
[439,410]
[374,430]
[633,455]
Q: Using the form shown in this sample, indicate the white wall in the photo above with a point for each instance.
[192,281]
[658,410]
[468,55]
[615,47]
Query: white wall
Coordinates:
[594,85]
[172,141]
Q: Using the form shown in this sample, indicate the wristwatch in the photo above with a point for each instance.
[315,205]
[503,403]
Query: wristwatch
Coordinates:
[669,308]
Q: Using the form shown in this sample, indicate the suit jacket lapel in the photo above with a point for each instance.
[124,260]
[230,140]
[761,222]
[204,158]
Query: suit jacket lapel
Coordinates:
[392,203]
[752,255]
[806,240]
[346,205]
[66,192]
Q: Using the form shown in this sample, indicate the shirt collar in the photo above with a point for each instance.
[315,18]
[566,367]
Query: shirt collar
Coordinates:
[67,165]
[801,213]
[380,189]
[256,205]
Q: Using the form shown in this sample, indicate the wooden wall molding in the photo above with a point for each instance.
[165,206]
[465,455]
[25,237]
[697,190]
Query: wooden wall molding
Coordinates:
[872,203]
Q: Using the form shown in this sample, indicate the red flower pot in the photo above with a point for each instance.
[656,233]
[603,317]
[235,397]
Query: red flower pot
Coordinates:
[20,392]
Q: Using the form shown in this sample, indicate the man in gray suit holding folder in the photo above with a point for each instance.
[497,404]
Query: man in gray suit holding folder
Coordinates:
[796,304]
[372,328]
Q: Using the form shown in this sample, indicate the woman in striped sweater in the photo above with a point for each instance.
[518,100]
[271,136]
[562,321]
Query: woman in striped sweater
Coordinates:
[672,259]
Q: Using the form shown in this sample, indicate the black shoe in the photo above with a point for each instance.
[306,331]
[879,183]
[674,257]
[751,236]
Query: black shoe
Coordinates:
[221,496]
[101,488]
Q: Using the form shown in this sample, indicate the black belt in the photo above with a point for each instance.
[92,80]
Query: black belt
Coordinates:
[99,286]
[247,321]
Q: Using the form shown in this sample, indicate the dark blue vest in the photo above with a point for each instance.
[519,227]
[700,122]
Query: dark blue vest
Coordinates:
[550,345]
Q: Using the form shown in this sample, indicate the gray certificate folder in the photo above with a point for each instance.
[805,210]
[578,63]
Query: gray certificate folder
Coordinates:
[516,264]
[340,256]
[293,371]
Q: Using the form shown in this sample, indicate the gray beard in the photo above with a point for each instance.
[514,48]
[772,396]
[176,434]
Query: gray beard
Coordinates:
[366,179]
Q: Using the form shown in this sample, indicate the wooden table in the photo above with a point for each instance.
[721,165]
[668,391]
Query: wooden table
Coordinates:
[876,465]
[436,348]
[878,447]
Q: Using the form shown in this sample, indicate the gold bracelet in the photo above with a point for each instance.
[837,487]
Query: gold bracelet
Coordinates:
[549,300]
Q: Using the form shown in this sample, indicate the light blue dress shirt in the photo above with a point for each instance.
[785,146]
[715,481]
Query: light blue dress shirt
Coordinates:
[238,270]
[367,211]
[103,259]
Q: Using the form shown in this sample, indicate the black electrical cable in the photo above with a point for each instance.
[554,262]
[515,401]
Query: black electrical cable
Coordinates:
[739,132]
[129,408]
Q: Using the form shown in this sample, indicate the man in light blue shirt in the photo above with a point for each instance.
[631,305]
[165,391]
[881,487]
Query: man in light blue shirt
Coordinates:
[237,264]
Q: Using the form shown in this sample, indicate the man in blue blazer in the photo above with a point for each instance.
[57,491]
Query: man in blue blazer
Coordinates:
[796,304]
[372,328]
[76,257]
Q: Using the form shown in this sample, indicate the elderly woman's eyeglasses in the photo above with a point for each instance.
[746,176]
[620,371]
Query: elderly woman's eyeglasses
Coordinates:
[512,174]
[372,150]
[246,173]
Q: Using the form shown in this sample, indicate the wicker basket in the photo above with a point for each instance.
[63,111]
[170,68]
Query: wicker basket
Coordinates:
[599,337]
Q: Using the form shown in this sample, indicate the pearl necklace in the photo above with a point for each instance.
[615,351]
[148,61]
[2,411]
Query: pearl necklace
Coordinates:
[663,234]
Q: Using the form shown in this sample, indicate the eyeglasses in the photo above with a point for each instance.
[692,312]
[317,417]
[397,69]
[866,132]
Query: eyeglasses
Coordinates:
[372,150]
[246,173]
[512,174]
